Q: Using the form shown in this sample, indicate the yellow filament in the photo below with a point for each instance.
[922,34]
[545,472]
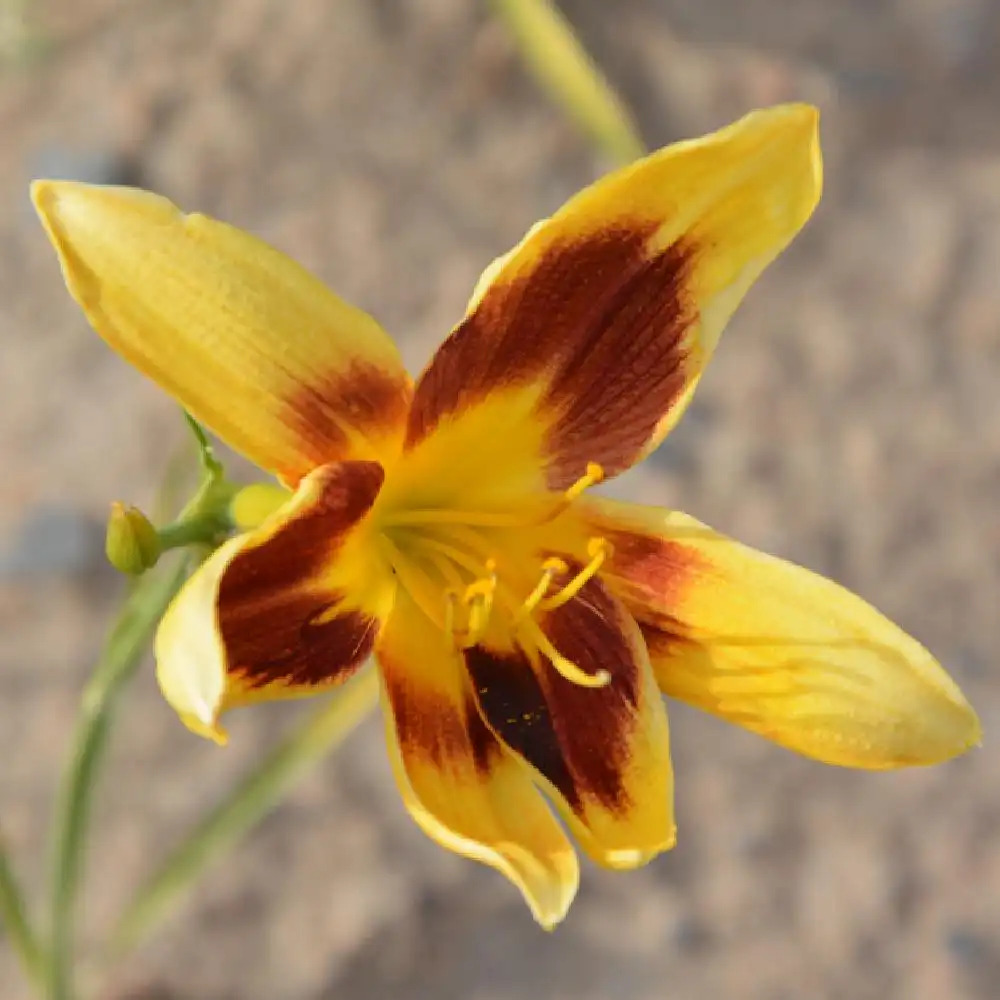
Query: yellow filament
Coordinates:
[591,477]
[497,519]
[458,556]
[598,549]
[450,598]
[479,617]
[564,666]
[485,586]
[448,547]
[479,600]
[550,568]
[424,594]
[448,516]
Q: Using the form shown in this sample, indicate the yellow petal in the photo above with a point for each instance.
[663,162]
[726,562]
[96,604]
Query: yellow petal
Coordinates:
[601,752]
[244,338]
[462,787]
[190,659]
[286,611]
[777,649]
[587,340]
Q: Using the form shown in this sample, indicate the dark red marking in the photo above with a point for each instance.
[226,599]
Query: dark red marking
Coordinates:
[513,703]
[434,728]
[280,642]
[267,610]
[597,319]
[363,396]
[649,573]
[579,738]
[590,631]
[663,634]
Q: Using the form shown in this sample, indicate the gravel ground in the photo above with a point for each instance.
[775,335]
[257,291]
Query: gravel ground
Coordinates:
[851,421]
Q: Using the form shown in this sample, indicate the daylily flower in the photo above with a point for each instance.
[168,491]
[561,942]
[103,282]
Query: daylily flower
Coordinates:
[523,628]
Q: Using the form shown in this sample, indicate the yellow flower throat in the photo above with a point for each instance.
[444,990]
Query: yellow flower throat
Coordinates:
[449,561]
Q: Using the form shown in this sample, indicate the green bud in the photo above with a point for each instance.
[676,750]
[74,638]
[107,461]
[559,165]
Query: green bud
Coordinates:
[254,504]
[132,543]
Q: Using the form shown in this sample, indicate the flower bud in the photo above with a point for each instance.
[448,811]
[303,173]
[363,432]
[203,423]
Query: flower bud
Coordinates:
[132,544]
[254,504]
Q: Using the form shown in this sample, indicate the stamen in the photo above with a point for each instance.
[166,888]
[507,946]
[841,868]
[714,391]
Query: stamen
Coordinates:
[479,600]
[416,584]
[564,666]
[598,549]
[456,555]
[478,620]
[550,568]
[450,599]
[448,517]
[593,475]
[496,519]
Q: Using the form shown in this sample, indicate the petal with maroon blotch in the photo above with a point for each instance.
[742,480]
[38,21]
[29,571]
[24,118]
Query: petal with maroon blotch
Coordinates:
[243,337]
[585,342]
[463,788]
[289,610]
[777,649]
[602,753]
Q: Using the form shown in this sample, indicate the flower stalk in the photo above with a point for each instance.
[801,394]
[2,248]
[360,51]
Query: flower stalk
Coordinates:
[566,72]
[14,919]
[125,646]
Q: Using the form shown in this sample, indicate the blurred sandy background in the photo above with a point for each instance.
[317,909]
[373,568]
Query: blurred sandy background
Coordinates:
[851,421]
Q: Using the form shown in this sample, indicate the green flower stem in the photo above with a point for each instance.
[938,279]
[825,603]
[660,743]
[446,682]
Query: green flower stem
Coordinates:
[123,650]
[192,531]
[205,518]
[210,465]
[572,79]
[14,918]
[245,805]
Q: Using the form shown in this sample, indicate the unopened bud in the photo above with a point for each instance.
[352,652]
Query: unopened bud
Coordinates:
[132,543]
[254,504]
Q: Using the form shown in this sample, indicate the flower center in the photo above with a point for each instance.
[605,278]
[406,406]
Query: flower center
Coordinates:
[473,572]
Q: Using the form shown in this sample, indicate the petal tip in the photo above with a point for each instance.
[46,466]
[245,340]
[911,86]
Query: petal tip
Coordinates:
[626,860]
[45,196]
[51,198]
[207,728]
[801,114]
[973,731]
[950,727]
[41,192]
[795,128]
[549,912]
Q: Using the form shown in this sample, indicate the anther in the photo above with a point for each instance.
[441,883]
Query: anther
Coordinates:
[479,600]
[598,549]
[564,666]
[593,475]
[572,673]
[551,568]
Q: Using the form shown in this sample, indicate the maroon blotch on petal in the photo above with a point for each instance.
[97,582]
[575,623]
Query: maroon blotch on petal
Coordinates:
[600,322]
[277,625]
